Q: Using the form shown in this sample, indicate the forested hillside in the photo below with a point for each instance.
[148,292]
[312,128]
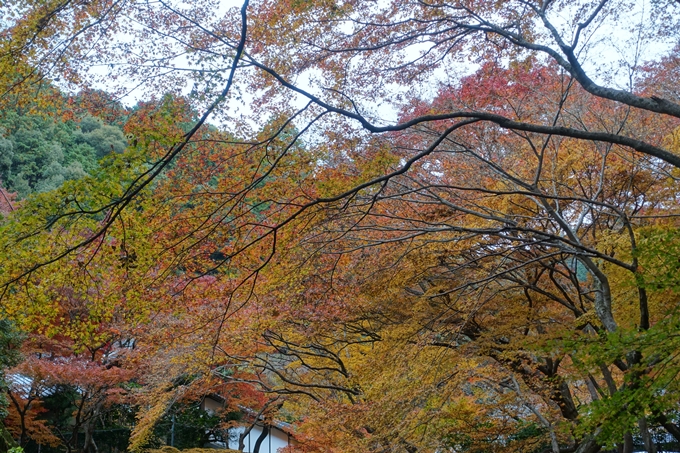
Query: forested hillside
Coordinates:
[39,153]
[385,226]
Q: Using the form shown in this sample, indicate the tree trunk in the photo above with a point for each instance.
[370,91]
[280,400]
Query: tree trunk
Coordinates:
[669,426]
[242,437]
[627,446]
[589,444]
[6,441]
[89,446]
[263,435]
[650,447]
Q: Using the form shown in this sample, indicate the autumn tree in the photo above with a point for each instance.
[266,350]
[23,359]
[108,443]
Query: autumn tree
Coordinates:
[522,210]
[485,272]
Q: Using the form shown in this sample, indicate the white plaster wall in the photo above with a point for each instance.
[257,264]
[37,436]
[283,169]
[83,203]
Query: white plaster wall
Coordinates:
[277,439]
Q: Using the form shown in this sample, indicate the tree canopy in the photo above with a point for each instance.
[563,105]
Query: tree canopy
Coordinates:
[401,226]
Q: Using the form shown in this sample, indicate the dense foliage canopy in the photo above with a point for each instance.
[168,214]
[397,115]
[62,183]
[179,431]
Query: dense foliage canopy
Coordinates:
[402,226]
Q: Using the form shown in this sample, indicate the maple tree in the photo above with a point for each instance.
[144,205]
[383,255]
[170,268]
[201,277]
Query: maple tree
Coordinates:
[74,392]
[493,270]
[465,233]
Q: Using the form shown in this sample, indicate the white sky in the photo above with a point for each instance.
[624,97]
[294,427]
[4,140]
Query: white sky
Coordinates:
[612,49]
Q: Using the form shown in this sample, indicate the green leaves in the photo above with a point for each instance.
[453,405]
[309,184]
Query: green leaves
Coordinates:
[40,153]
[659,257]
